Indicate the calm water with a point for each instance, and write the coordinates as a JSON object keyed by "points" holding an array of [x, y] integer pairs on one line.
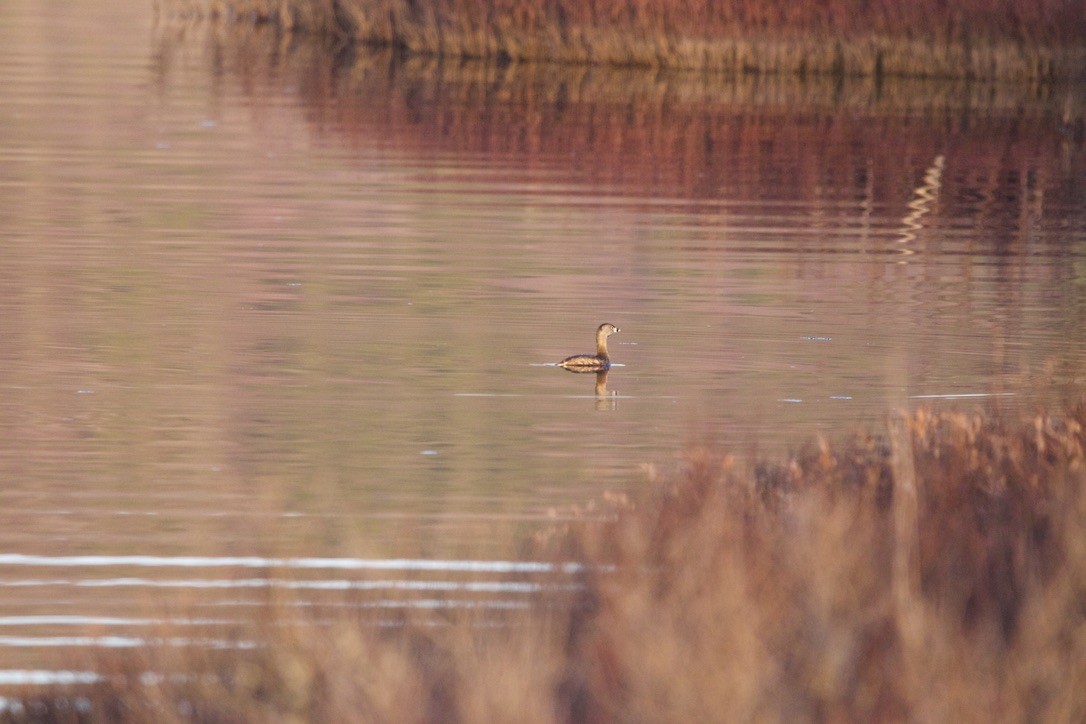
{"points": [[261, 300]]}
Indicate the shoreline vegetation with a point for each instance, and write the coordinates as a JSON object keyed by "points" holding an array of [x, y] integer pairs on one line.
{"points": [[1013, 40], [931, 571]]}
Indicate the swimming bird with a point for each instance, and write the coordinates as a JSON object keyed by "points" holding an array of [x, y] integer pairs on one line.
{"points": [[592, 362]]}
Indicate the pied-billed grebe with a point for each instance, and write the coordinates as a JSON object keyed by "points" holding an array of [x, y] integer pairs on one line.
{"points": [[592, 362]]}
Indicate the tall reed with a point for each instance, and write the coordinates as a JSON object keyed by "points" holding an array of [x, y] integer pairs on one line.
{"points": [[1013, 39]]}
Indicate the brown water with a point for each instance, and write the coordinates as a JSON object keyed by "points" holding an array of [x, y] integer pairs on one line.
{"points": [[261, 299]]}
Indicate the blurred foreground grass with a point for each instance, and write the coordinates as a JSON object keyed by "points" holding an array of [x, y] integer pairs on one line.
{"points": [[935, 571]]}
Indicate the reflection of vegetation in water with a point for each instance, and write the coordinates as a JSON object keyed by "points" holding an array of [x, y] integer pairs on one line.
{"points": [[975, 39], [686, 134], [926, 194], [883, 578], [662, 135]]}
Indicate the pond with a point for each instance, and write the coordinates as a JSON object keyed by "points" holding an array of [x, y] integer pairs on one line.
{"points": [[262, 298]]}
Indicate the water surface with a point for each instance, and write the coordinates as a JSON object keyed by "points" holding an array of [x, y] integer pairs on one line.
{"points": [[263, 299]]}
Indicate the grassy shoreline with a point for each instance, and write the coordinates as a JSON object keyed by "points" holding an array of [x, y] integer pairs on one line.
{"points": [[932, 571], [1018, 40]]}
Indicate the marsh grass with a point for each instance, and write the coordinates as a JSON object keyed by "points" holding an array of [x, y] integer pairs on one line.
{"points": [[936, 572], [1016, 39]]}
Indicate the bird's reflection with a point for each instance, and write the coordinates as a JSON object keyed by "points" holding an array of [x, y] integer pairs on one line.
{"points": [[605, 399], [601, 384]]}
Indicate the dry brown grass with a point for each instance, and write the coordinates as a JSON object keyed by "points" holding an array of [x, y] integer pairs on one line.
{"points": [[935, 573], [1024, 39], [776, 595]]}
